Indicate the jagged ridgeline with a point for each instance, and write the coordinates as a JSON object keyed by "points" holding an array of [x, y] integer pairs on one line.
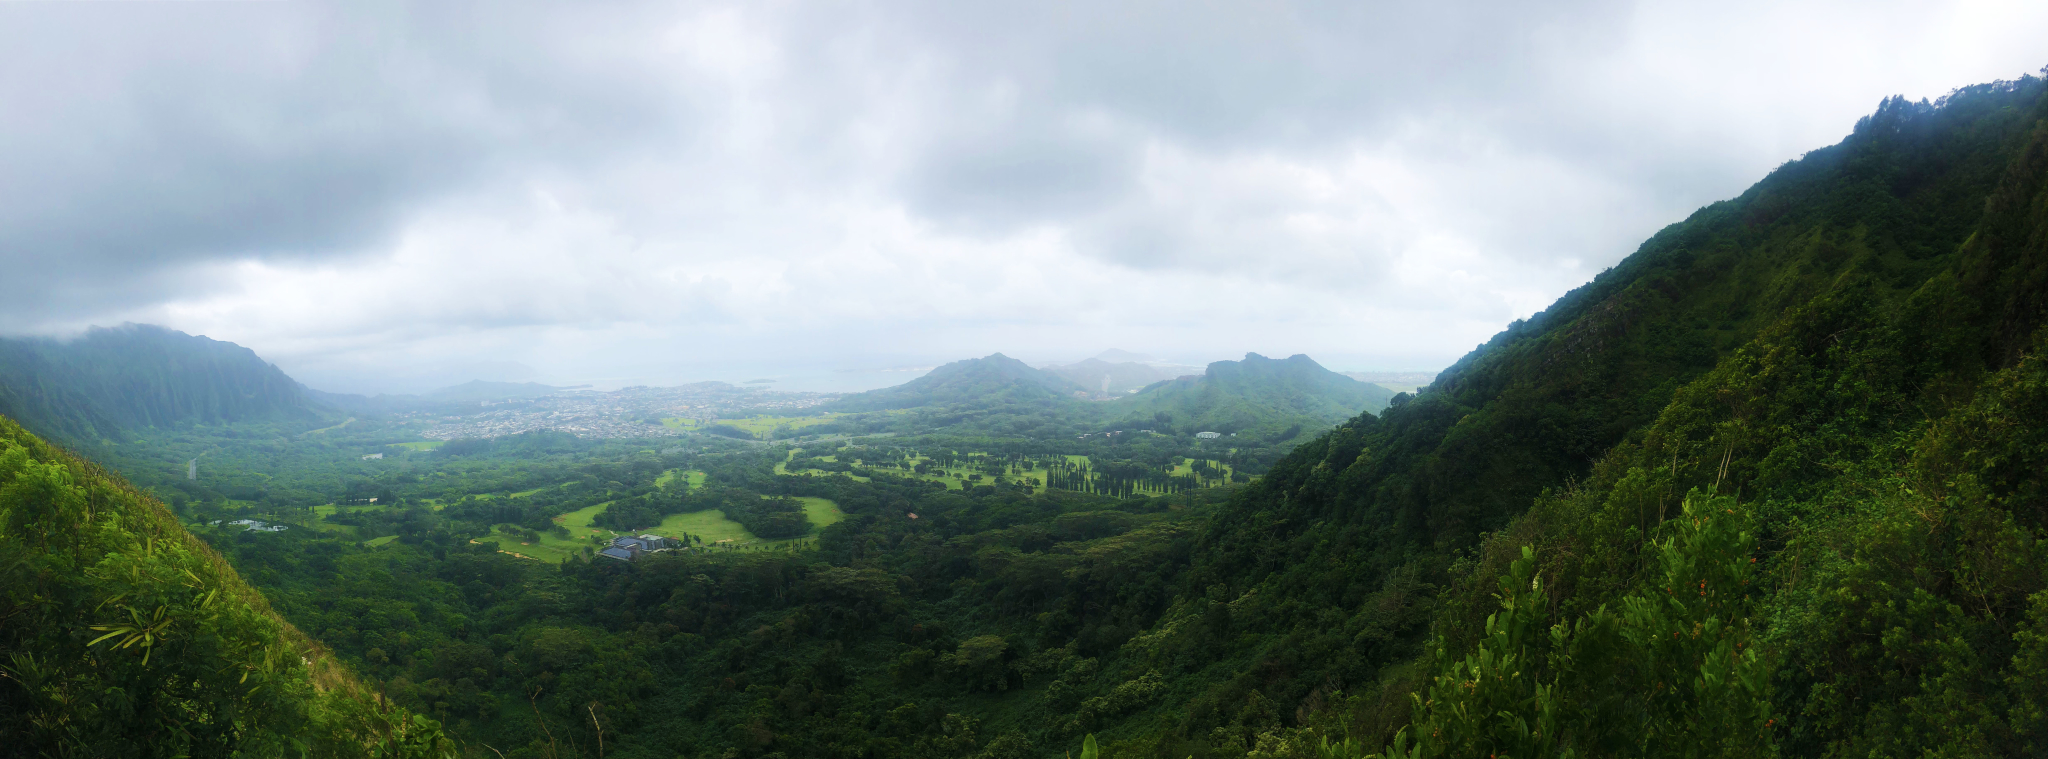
{"points": [[1786, 465], [136, 376], [123, 635]]}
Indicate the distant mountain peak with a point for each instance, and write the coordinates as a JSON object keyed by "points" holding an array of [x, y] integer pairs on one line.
{"points": [[1274, 399], [967, 380]]}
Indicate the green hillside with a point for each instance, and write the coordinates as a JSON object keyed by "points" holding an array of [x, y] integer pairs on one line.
{"points": [[993, 380], [1267, 399], [1772, 484], [136, 376], [125, 636]]}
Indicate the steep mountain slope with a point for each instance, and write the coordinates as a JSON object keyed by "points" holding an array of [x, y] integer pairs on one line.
{"points": [[123, 635], [991, 380], [1788, 450], [1258, 395], [137, 376], [43, 395]]}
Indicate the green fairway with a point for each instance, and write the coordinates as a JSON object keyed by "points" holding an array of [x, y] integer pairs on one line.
{"points": [[330, 509], [691, 477], [822, 512], [711, 525], [760, 426], [380, 541], [338, 529], [344, 423], [714, 528], [959, 475], [782, 467]]}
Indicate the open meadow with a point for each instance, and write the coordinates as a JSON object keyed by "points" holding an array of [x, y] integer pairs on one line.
{"points": [[761, 426]]}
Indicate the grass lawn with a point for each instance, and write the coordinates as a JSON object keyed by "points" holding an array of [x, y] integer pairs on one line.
{"points": [[711, 525], [344, 423], [331, 509], [782, 467], [951, 483], [960, 483], [691, 477], [380, 541], [552, 549], [423, 445], [760, 426], [1039, 475], [1189, 468], [822, 512]]}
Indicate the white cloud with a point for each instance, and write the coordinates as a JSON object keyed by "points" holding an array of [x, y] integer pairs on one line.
{"points": [[394, 197]]}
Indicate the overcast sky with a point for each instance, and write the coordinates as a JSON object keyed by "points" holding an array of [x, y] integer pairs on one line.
{"points": [[389, 197]]}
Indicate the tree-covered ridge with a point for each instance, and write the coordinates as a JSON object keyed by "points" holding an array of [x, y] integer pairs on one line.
{"points": [[1843, 366], [1258, 395], [1265, 404], [136, 376], [124, 636], [995, 379]]}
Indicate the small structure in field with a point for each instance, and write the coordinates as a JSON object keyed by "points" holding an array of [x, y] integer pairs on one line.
{"points": [[630, 547]]}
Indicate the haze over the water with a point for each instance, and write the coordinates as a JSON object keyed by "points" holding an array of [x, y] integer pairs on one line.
{"points": [[392, 197]]}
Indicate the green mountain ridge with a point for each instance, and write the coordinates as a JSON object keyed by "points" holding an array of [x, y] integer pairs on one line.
{"points": [[1257, 394], [992, 379], [1792, 438], [136, 376]]}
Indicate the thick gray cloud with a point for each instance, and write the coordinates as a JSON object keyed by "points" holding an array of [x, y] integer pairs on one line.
{"points": [[389, 195]]}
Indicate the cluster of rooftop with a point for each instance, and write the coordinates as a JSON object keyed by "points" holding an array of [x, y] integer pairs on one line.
{"points": [[628, 548]]}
